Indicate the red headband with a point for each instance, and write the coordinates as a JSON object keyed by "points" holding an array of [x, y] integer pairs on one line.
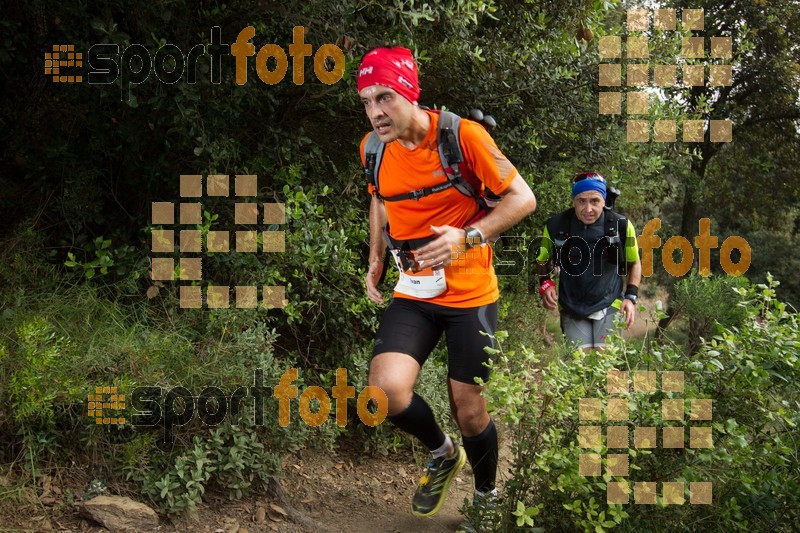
{"points": [[392, 67]]}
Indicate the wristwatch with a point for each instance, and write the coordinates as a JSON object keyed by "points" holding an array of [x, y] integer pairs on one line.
{"points": [[473, 237], [631, 297]]}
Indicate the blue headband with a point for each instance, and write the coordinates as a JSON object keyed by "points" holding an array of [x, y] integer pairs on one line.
{"points": [[589, 185]]}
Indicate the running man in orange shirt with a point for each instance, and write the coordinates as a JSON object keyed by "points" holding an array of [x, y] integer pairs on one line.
{"points": [[434, 296]]}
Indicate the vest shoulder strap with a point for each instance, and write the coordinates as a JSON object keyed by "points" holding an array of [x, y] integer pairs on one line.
{"points": [[616, 233], [373, 152], [558, 227], [451, 155], [458, 173], [616, 225]]}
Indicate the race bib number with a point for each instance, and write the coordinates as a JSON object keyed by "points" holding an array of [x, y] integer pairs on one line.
{"points": [[426, 283]]}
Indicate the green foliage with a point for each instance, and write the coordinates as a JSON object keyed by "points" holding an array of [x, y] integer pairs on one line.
{"points": [[32, 377], [776, 249], [79, 175], [56, 349], [751, 373], [100, 257], [231, 457], [762, 104], [708, 302]]}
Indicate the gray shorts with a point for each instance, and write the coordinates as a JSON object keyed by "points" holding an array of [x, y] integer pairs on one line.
{"points": [[586, 332]]}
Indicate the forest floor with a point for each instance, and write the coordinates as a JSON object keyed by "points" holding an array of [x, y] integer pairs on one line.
{"points": [[345, 490]]}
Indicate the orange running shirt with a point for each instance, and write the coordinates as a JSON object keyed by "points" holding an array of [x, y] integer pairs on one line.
{"points": [[471, 281]]}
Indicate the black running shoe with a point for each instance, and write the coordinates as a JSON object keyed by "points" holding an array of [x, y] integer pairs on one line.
{"points": [[483, 516], [432, 487]]}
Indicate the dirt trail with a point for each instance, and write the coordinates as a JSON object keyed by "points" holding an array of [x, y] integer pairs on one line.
{"points": [[348, 492], [332, 491]]}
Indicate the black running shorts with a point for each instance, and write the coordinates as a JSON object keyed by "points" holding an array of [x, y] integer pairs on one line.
{"points": [[413, 327]]}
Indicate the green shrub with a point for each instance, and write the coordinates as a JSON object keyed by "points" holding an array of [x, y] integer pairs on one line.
{"points": [[750, 372], [708, 302], [57, 348], [232, 457]]}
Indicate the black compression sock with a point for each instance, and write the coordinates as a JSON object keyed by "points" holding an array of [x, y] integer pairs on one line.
{"points": [[482, 453], [418, 420]]}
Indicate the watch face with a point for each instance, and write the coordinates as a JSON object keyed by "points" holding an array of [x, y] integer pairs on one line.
{"points": [[473, 237]]}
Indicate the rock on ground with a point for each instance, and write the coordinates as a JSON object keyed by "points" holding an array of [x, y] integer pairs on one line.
{"points": [[118, 513]]}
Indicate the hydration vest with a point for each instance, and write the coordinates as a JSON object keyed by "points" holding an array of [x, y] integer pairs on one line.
{"points": [[585, 254], [458, 174], [615, 232]]}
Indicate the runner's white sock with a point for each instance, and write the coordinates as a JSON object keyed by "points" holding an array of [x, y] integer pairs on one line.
{"points": [[483, 495], [443, 450]]}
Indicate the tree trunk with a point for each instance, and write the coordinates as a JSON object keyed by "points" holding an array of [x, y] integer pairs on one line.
{"points": [[688, 221]]}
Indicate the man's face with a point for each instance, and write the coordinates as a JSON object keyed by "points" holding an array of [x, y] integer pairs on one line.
{"points": [[588, 206], [389, 113]]}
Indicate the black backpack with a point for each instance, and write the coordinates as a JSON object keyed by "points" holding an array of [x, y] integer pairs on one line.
{"points": [[615, 231], [458, 173]]}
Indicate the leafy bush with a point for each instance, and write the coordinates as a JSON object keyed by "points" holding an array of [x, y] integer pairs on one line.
{"points": [[708, 302], [56, 349], [231, 457], [750, 372]]}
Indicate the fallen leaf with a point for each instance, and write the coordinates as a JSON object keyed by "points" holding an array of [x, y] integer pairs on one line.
{"points": [[152, 292], [278, 509], [260, 516]]}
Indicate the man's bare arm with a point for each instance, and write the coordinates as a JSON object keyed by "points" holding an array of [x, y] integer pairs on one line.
{"points": [[377, 246], [377, 221], [635, 273], [518, 202]]}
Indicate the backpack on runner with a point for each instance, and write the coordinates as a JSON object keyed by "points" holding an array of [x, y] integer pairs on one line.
{"points": [[457, 171], [615, 232]]}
